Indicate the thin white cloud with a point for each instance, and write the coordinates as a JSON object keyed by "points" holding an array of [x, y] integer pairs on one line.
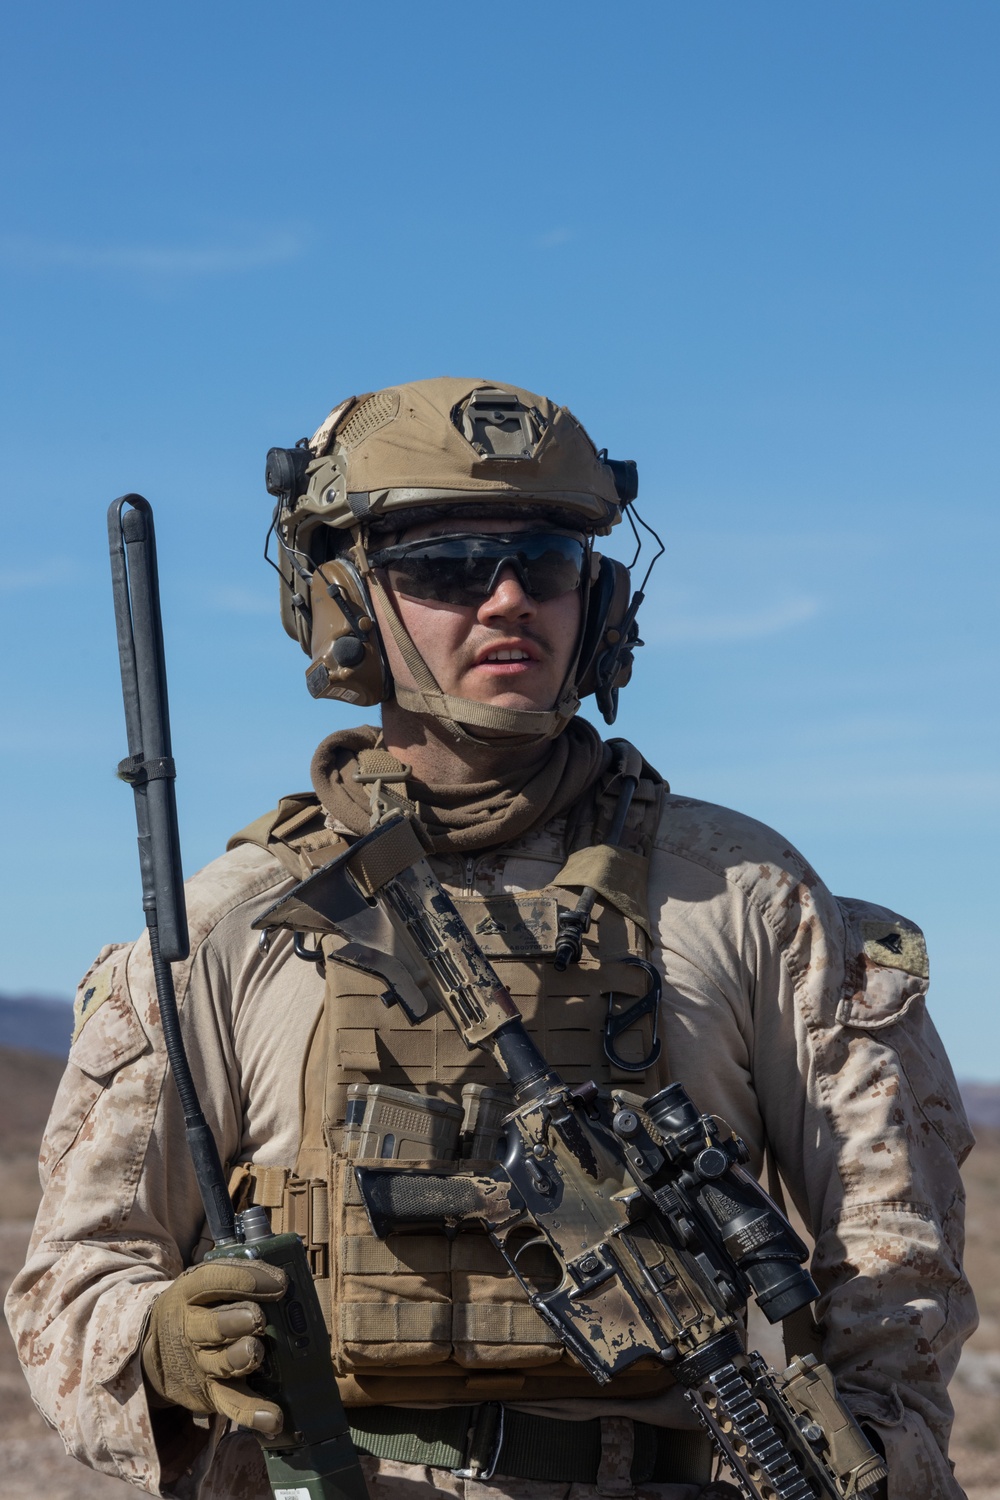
{"points": [[237, 601], [151, 260], [933, 792], [553, 237], [711, 628], [812, 782], [930, 787], [13, 580]]}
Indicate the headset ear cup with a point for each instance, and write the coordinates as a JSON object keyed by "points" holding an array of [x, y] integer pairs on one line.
{"points": [[348, 662], [606, 609], [293, 605]]}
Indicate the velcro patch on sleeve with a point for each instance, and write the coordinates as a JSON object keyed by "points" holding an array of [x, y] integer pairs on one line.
{"points": [[893, 945], [97, 985]]}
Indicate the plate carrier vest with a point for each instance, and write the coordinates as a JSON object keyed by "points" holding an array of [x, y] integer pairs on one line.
{"points": [[437, 1317]]}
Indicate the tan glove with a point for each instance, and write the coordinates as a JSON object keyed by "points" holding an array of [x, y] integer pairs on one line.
{"points": [[196, 1350]]}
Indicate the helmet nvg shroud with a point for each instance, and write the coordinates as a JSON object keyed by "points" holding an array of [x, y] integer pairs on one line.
{"points": [[435, 449]]}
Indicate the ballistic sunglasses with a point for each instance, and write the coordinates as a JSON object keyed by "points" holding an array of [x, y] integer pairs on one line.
{"points": [[465, 568]]}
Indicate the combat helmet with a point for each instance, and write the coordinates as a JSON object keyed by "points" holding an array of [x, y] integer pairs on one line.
{"points": [[391, 459]]}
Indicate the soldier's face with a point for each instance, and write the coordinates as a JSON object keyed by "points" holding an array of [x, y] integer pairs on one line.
{"points": [[511, 649]]}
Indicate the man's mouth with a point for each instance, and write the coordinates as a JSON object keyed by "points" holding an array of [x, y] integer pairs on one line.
{"points": [[508, 658], [510, 655]]}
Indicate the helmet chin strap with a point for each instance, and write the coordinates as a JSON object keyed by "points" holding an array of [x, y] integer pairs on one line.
{"points": [[518, 726]]}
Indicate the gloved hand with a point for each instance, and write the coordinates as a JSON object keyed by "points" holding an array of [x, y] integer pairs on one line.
{"points": [[196, 1350]]}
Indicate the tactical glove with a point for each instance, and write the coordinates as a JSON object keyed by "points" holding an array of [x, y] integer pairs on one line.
{"points": [[196, 1350]]}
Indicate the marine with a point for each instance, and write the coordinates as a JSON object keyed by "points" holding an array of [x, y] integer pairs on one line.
{"points": [[437, 554]]}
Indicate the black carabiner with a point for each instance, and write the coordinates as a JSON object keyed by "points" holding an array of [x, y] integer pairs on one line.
{"points": [[647, 1004], [308, 955]]}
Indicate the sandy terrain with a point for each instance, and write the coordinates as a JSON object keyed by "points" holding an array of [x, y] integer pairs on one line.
{"points": [[34, 1466]]}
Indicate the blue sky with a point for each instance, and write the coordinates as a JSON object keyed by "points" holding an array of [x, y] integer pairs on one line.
{"points": [[752, 245]]}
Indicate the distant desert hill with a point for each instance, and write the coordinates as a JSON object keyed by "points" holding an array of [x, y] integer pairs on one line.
{"points": [[36, 1023], [28, 1081], [982, 1102]]}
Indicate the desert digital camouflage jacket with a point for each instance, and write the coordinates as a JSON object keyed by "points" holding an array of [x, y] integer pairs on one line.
{"points": [[797, 1017]]}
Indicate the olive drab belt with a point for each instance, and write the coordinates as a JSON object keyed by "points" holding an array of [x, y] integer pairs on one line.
{"points": [[428, 1316]]}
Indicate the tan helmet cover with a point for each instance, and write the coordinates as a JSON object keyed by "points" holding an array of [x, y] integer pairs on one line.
{"points": [[436, 442]]}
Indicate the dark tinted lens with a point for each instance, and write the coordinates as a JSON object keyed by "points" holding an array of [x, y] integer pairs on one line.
{"points": [[466, 569], [556, 569], [447, 580]]}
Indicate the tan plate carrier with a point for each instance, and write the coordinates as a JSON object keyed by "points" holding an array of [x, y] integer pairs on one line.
{"points": [[427, 1317]]}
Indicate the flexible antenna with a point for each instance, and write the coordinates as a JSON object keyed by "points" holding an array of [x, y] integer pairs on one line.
{"points": [[150, 772]]}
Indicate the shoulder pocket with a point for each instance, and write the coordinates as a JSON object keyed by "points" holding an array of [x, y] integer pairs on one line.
{"points": [[885, 984], [110, 1040], [886, 968]]}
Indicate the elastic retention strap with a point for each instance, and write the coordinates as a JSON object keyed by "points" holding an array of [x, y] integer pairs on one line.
{"points": [[524, 726]]}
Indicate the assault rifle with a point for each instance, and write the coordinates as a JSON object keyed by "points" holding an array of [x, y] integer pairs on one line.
{"points": [[313, 1457], [657, 1232]]}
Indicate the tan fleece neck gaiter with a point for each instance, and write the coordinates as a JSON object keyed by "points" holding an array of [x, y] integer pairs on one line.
{"points": [[459, 818]]}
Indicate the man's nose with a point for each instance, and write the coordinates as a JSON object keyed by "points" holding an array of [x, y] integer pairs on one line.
{"points": [[508, 601]]}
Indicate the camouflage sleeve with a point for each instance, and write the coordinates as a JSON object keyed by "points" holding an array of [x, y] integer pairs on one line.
{"points": [[802, 1020], [896, 1306], [121, 1214], [105, 1242]]}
